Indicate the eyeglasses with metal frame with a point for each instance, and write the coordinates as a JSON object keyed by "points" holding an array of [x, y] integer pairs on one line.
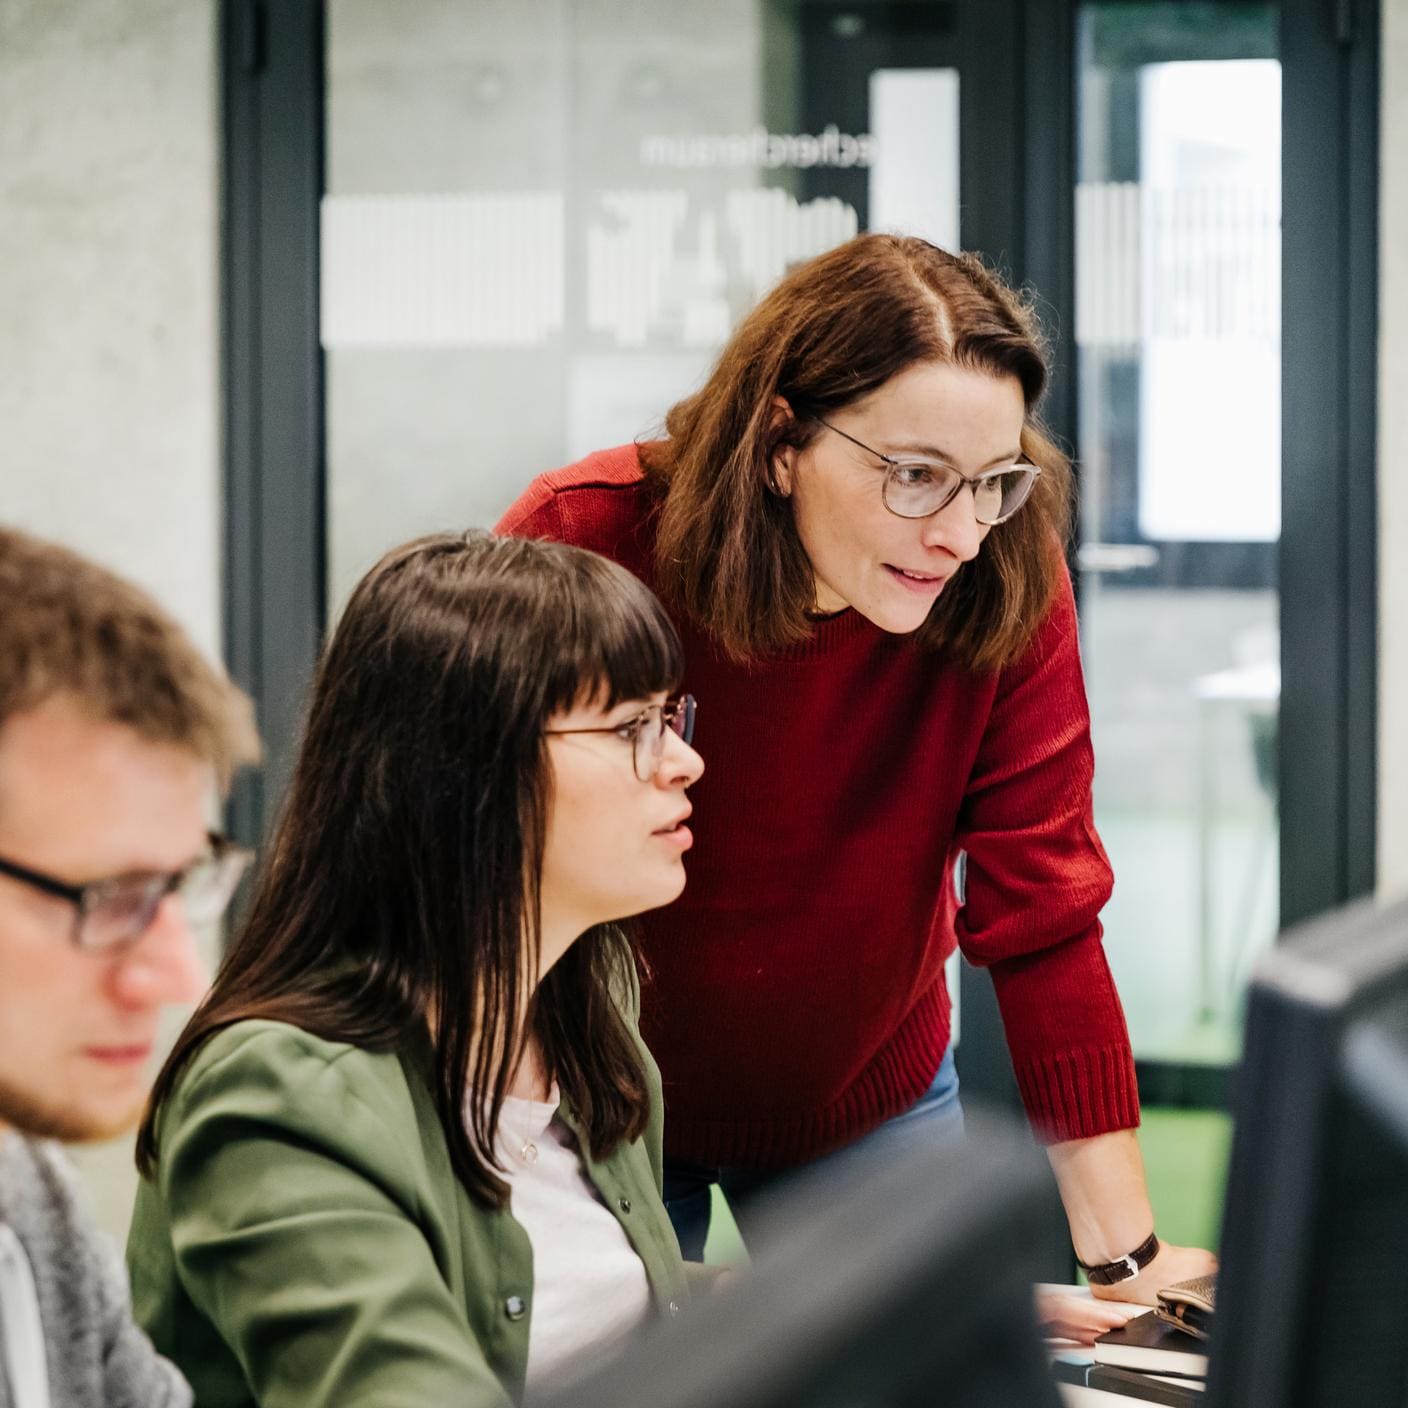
{"points": [[918, 488], [645, 731], [113, 913]]}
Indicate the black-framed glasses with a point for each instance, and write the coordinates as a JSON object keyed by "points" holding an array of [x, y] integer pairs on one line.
{"points": [[646, 731], [919, 488], [115, 912]]}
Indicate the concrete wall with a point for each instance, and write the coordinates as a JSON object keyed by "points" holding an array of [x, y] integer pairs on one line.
{"points": [[1393, 458], [109, 378]]}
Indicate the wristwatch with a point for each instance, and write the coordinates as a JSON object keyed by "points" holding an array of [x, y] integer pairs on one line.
{"points": [[1111, 1273]]}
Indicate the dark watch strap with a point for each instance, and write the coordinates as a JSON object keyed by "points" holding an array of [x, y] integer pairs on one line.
{"points": [[1111, 1273]]}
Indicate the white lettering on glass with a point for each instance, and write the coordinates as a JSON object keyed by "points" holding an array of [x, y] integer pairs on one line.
{"points": [[760, 148]]}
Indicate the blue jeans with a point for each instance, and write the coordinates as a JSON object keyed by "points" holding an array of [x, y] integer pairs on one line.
{"points": [[935, 1118]]}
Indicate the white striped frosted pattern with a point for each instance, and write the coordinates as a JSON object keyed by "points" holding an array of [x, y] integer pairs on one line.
{"points": [[651, 270], [1181, 262], [488, 270], [480, 270], [629, 261], [772, 231]]}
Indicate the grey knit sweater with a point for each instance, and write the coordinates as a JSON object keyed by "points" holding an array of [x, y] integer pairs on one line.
{"points": [[97, 1357]]}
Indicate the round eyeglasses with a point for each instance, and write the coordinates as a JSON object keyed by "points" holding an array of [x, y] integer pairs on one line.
{"points": [[646, 732], [113, 913], [916, 488]]}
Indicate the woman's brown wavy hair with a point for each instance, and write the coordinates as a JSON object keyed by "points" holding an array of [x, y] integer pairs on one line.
{"points": [[399, 892], [834, 330]]}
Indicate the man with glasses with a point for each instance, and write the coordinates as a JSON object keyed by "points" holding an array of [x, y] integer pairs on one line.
{"points": [[115, 739]]}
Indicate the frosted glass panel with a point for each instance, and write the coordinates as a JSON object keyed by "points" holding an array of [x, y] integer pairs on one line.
{"points": [[914, 178]]}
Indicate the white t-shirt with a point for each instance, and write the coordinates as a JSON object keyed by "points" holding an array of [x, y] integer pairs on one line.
{"points": [[589, 1285]]}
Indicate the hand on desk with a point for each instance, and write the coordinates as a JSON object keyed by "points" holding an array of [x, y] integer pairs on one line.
{"points": [[1078, 1317], [1171, 1265]]}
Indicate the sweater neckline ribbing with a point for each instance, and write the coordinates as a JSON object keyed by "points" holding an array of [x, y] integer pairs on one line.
{"points": [[829, 634]]}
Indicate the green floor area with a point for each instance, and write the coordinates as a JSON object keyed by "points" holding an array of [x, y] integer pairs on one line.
{"points": [[1185, 1158], [725, 1246]]}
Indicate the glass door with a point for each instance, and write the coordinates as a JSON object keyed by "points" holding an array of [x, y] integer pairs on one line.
{"points": [[1178, 339]]}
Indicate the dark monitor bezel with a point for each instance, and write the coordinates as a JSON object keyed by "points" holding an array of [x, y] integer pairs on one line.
{"points": [[1310, 1042]]}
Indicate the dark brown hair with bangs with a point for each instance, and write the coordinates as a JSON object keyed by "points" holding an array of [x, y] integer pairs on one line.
{"points": [[400, 893], [834, 330]]}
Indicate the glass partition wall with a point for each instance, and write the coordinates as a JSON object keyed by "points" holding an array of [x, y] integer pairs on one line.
{"points": [[1178, 340], [543, 217]]}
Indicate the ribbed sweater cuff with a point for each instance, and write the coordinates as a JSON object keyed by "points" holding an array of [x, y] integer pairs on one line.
{"points": [[1079, 1094]]}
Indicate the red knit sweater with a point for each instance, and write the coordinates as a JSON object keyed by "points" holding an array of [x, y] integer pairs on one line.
{"points": [[798, 995]]}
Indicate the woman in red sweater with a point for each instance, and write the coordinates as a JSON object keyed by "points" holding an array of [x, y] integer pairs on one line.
{"points": [[857, 524]]}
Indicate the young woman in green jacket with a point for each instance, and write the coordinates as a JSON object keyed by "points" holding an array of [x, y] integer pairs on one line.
{"points": [[408, 1149]]}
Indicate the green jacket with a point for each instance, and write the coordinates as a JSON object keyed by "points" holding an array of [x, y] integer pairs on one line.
{"points": [[306, 1243]]}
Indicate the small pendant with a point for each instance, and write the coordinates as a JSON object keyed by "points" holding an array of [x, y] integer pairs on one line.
{"points": [[529, 1152]]}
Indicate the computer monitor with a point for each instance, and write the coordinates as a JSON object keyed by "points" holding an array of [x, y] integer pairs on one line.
{"points": [[1312, 1298], [904, 1286]]}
